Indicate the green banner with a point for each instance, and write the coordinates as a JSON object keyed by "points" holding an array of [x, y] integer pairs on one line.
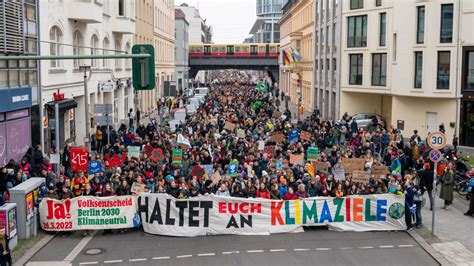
{"points": [[177, 156]]}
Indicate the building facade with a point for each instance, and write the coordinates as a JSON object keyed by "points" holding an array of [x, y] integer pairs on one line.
{"points": [[164, 41], [297, 26], [266, 27], [181, 50], [399, 59], [198, 32], [144, 25], [79, 27], [20, 98], [326, 57]]}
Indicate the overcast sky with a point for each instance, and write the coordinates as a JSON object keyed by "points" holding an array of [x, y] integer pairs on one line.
{"points": [[231, 20]]}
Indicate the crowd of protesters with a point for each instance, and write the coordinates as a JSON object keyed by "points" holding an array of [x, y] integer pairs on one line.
{"points": [[235, 99]]}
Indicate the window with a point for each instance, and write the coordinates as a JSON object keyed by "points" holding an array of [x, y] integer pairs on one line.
{"points": [[446, 23], [383, 29], [121, 8], [94, 50], [378, 2], [118, 61], [298, 46], [78, 45], [379, 69], [469, 79], [444, 63], [55, 37], [357, 4], [127, 61], [357, 31], [355, 71], [105, 51], [420, 24], [418, 70]]}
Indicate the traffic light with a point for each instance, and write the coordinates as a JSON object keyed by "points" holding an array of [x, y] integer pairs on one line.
{"points": [[143, 69]]}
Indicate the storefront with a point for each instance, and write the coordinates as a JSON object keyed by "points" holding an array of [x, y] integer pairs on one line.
{"points": [[467, 101], [15, 123]]}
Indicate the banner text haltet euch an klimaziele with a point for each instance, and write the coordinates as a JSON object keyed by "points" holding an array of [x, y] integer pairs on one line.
{"points": [[165, 215], [211, 215]]}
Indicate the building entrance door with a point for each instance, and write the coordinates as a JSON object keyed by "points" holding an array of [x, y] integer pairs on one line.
{"points": [[468, 123]]}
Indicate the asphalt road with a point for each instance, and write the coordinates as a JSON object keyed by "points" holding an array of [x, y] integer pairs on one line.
{"points": [[313, 247]]}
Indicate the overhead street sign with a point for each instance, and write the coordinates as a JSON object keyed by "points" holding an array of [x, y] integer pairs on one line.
{"points": [[435, 156], [437, 140], [103, 108]]}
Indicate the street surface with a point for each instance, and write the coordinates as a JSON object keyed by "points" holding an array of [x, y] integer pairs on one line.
{"points": [[313, 247]]}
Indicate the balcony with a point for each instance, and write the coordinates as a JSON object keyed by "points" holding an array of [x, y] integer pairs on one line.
{"points": [[85, 11], [123, 25]]}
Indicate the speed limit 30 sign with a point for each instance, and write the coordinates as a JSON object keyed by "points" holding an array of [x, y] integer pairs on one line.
{"points": [[437, 140]]}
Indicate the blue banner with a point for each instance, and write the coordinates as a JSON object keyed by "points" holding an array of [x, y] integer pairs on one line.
{"points": [[94, 167]]}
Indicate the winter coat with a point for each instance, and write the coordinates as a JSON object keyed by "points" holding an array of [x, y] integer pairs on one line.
{"points": [[447, 186]]}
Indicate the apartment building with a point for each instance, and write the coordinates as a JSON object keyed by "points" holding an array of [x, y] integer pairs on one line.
{"points": [[85, 27], [266, 27], [144, 26], [181, 49], [296, 26], [164, 41], [20, 97], [401, 59]]}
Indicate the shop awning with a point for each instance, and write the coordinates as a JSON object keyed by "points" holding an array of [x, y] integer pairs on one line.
{"points": [[64, 105]]}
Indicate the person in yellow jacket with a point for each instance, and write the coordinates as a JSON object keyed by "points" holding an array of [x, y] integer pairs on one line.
{"points": [[78, 183]]}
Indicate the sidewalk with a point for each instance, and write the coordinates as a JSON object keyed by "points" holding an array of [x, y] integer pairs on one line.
{"points": [[454, 232]]}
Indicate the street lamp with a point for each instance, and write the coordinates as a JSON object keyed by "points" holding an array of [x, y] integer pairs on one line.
{"points": [[87, 140]]}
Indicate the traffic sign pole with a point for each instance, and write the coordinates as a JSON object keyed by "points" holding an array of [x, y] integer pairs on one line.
{"points": [[433, 193]]}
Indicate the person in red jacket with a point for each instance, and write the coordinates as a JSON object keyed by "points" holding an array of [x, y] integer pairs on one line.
{"points": [[290, 195], [263, 192]]}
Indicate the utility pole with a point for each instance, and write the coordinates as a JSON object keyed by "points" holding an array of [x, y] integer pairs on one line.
{"points": [[87, 140], [56, 117]]}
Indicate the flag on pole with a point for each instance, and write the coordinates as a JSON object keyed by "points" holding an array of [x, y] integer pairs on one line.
{"points": [[285, 58], [296, 56]]}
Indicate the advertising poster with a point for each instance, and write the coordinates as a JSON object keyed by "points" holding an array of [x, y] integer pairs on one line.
{"points": [[12, 222], [30, 205]]}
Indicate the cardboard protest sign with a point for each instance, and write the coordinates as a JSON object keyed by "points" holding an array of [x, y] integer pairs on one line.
{"points": [[276, 114], [321, 167], [79, 159], [233, 166], [198, 171], [305, 135], [240, 133], [137, 188], [216, 177], [297, 159], [312, 154], [361, 177], [229, 126], [279, 137], [94, 167], [378, 170], [250, 172], [338, 172], [133, 152], [54, 158], [157, 154], [353, 164], [177, 156]]}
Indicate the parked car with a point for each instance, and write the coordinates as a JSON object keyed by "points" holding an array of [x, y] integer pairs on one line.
{"points": [[364, 120]]}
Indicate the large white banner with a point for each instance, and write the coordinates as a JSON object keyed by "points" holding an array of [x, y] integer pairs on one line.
{"points": [[89, 213], [211, 215]]}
